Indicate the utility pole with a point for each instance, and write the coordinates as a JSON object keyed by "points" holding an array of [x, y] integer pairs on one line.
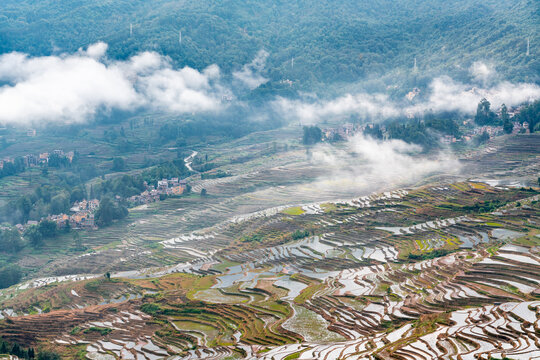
{"points": [[130, 30]]}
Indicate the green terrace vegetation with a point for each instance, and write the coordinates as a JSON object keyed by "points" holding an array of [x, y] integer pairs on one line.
{"points": [[429, 255], [191, 242], [100, 330], [192, 311], [297, 210]]}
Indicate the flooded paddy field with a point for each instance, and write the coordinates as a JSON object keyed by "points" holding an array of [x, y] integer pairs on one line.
{"points": [[279, 262], [337, 279]]}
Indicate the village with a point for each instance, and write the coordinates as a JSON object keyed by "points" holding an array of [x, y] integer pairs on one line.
{"points": [[164, 189], [42, 159], [82, 215], [470, 130]]}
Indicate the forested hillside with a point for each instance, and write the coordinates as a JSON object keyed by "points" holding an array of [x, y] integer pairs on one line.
{"points": [[330, 41]]}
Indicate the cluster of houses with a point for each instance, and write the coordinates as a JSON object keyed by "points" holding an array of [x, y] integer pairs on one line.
{"points": [[520, 128], [347, 130], [31, 160], [344, 131], [165, 187], [82, 218], [83, 212], [490, 130], [44, 157]]}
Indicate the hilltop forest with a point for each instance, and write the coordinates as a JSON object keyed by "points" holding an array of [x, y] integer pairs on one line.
{"points": [[330, 42]]}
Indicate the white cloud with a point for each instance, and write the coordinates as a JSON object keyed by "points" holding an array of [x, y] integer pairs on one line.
{"points": [[444, 94], [68, 89], [449, 95], [364, 161], [250, 75], [96, 50], [482, 72], [363, 105], [185, 90], [74, 87]]}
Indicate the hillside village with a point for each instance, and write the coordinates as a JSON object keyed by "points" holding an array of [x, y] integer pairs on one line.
{"points": [[83, 212], [165, 187], [42, 159], [470, 130]]}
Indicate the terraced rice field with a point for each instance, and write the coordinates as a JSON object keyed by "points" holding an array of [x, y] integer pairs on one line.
{"points": [[416, 273]]}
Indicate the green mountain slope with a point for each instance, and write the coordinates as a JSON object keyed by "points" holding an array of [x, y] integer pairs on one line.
{"points": [[330, 41]]}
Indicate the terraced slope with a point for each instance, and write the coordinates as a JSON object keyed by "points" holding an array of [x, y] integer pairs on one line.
{"points": [[443, 271]]}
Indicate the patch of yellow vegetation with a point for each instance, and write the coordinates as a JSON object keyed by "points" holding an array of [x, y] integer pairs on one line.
{"points": [[296, 210], [479, 186], [461, 186], [329, 207], [185, 283]]}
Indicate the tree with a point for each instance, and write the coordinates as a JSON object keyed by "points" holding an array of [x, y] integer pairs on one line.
{"points": [[77, 194], [312, 135], [3, 348], [482, 138], [374, 131], [60, 203], [484, 116], [48, 355], [508, 127], [105, 212], [504, 113], [34, 236], [77, 242], [47, 228], [10, 240], [24, 205], [203, 192], [531, 115], [109, 211], [507, 124], [16, 350], [119, 164], [10, 275]]}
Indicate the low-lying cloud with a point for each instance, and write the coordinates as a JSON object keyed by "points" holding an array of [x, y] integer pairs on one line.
{"points": [[449, 95], [444, 95], [362, 105], [483, 72], [250, 75], [364, 162], [75, 87]]}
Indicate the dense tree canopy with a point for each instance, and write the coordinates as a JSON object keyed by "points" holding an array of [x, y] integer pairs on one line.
{"points": [[312, 135], [330, 41], [484, 115], [9, 275], [109, 211]]}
